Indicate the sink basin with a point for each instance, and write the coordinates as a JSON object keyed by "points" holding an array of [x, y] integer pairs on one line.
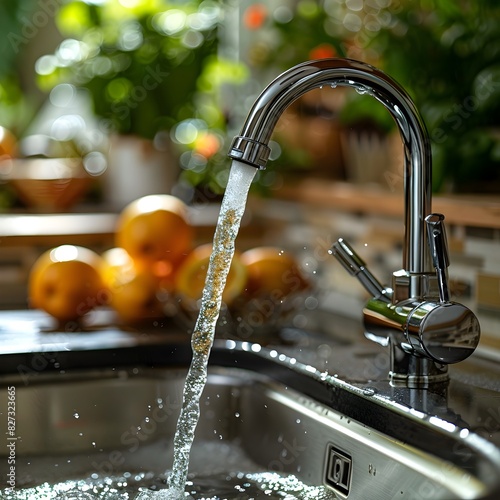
{"points": [[267, 418]]}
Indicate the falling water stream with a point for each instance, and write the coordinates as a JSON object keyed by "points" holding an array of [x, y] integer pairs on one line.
{"points": [[231, 212]]}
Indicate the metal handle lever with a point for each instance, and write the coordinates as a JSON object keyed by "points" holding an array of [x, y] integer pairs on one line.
{"points": [[424, 335], [355, 266], [438, 246]]}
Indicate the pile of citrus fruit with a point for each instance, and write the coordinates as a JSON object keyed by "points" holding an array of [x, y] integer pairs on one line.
{"points": [[155, 269]]}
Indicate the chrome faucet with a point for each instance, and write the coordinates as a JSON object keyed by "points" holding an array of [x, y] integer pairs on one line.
{"points": [[424, 329]]}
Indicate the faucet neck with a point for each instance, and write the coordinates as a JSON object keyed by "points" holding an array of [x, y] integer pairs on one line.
{"points": [[251, 146]]}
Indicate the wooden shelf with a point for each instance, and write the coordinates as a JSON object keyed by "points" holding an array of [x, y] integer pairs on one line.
{"points": [[50, 229], [89, 228], [464, 210]]}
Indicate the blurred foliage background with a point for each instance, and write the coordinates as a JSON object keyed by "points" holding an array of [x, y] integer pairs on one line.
{"points": [[192, 55], [445, 53], [140, 61]]}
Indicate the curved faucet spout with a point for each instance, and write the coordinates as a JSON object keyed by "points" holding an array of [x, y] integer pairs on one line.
{"points": [[251, 146]]}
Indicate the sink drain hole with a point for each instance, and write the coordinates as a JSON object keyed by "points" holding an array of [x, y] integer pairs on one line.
{"points": [[338, 470]]}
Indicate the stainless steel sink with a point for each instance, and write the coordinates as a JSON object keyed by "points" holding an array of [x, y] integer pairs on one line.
{"points": [[102, 406], [261, 411]]}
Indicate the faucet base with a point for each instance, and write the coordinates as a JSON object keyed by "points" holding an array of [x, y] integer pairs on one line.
{"points": [[414, 371]]}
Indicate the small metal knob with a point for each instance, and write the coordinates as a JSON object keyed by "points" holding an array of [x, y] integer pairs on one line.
{"points": [[355, 266], [438, 245]]}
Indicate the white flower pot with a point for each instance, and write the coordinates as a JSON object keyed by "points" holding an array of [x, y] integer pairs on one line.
{"points": [[136, 168]]}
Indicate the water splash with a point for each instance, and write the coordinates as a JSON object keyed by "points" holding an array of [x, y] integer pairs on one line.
{"points": [[231, 212], [218, 486]]}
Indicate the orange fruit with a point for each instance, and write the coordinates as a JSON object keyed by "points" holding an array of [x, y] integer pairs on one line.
{"points": [[155, 232], [191, 274], [8, 144], [272, 271], [66, 283], [117, 266], [133, 294]]}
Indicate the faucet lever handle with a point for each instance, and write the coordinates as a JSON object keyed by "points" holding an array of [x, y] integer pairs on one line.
{"points": [[438, 246], [355, 266]]}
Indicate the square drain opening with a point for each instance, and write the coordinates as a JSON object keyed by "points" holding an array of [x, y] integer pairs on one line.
{"points": [[338, 470]]}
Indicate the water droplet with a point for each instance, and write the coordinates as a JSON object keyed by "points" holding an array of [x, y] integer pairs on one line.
{"points": [[369, 391], [76, 415]]}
